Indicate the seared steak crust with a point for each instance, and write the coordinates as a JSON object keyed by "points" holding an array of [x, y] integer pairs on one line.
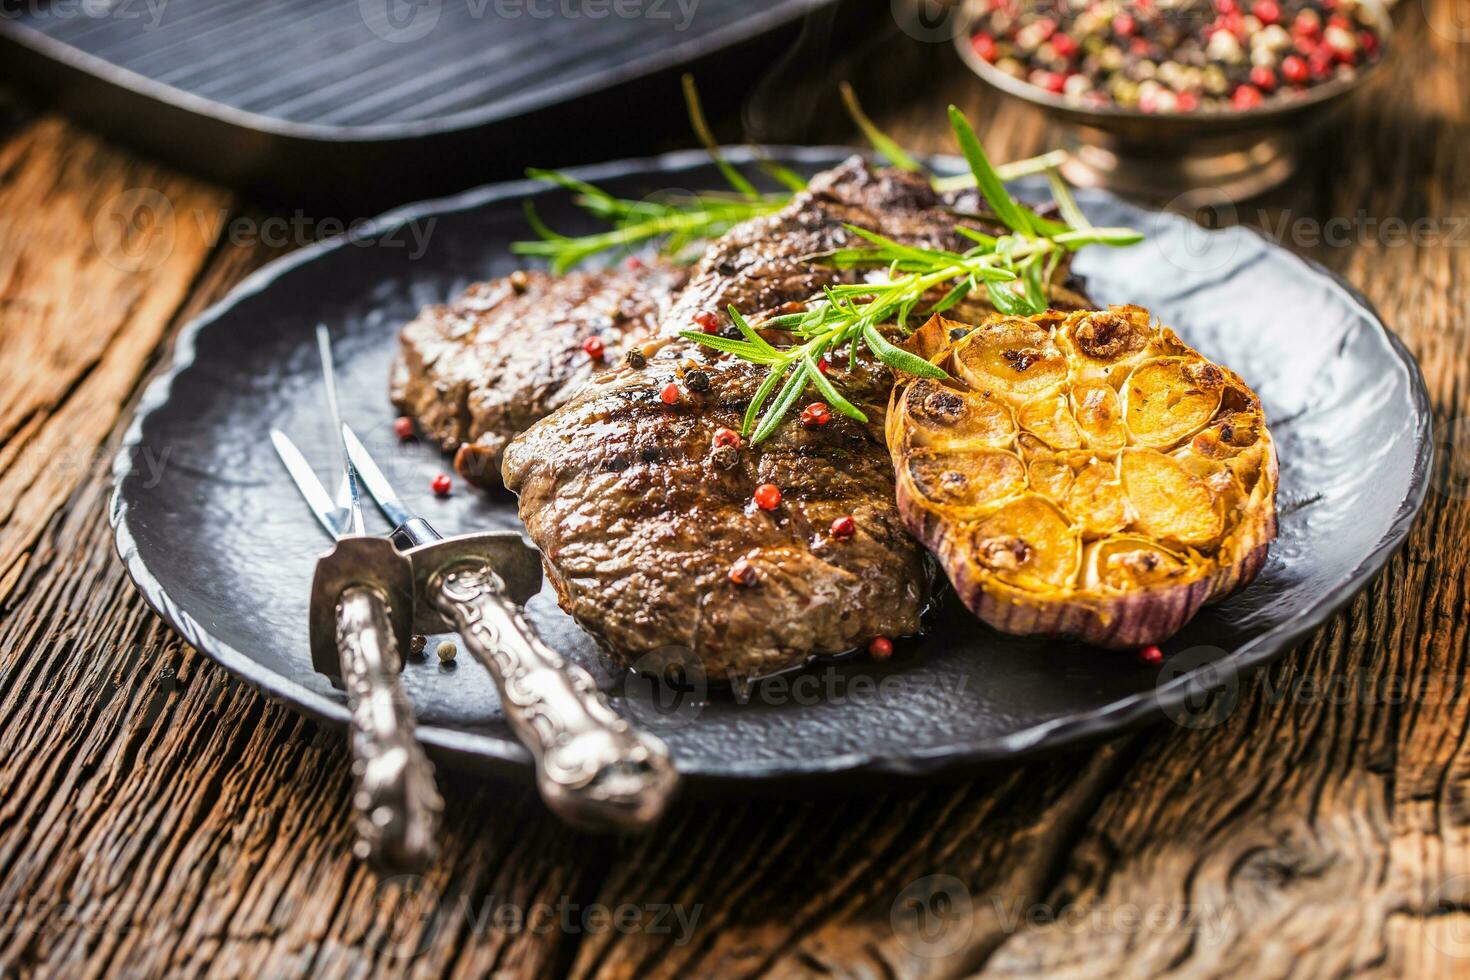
{"points": [[650, 536], [476, 372]]}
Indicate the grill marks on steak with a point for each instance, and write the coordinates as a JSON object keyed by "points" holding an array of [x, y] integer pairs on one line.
{"points": [[641, 521], [477, 372], [638, 522]]}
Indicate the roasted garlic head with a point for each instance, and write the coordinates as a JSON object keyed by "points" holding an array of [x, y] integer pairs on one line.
{"points": [[1084, 474]]}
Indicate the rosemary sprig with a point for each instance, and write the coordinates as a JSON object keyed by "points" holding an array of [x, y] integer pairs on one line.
{"points": [[886, 146], [676, 222], [681, 224], [852, 313]]}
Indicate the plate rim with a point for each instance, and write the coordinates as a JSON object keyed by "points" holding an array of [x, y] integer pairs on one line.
{"points": [[510, 759]]}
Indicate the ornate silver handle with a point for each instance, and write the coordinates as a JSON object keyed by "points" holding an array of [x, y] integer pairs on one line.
{"points": [[594, 769], [397, 803]]}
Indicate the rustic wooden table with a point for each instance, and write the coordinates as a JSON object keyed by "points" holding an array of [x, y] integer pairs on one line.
{"points": [[157, 815]]}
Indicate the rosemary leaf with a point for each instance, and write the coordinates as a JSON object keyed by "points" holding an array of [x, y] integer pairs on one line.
{"points": [[1007, 171], [1008, 301], [1098, 236], [886, 146], [905, 310], [829, 392], [750, 334], [924, 255], [538, 226], [1066, 203], [960, 291], [741, 348], [706, 136], [1035, 288], [991, 188], [790, 392], [984, 240], [785, 176], [898, 358], [761, 394]]}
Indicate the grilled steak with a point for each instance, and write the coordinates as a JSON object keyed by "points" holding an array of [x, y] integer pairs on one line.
{"points": [[477, 372], [649, 531]]}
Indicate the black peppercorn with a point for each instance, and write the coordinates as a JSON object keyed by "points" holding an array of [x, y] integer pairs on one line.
{"points": [[725, 457], [697, 382], [635, 359]]}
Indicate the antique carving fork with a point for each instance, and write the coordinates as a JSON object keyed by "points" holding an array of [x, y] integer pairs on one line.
{"points": [[594, 769], [362, 599]]}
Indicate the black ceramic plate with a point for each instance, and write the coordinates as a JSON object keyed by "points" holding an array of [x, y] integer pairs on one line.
{"points": [[214, 534]]}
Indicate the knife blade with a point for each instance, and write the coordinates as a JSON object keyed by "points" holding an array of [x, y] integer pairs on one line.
{"points": [[347, 495], [408, 531], [333, 518]]}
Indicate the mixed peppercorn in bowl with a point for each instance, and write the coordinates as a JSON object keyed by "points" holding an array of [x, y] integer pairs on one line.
{"points": [[1157, 56], [1165, 98]]}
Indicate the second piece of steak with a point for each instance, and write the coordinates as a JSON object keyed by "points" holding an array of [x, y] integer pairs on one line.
{"points": [[476, 372]]}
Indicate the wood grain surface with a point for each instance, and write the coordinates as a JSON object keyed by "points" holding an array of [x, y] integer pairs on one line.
{"points": [[158, 817]]}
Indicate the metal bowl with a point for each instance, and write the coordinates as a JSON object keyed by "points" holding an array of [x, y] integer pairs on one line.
{"points": [[1163, 156]]}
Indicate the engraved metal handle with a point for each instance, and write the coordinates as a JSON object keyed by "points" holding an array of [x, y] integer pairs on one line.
{"points": [[394, 795], [594, 769]]}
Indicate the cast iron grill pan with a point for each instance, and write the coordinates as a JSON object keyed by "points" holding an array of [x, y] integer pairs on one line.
{"points": [[376, 101]]}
